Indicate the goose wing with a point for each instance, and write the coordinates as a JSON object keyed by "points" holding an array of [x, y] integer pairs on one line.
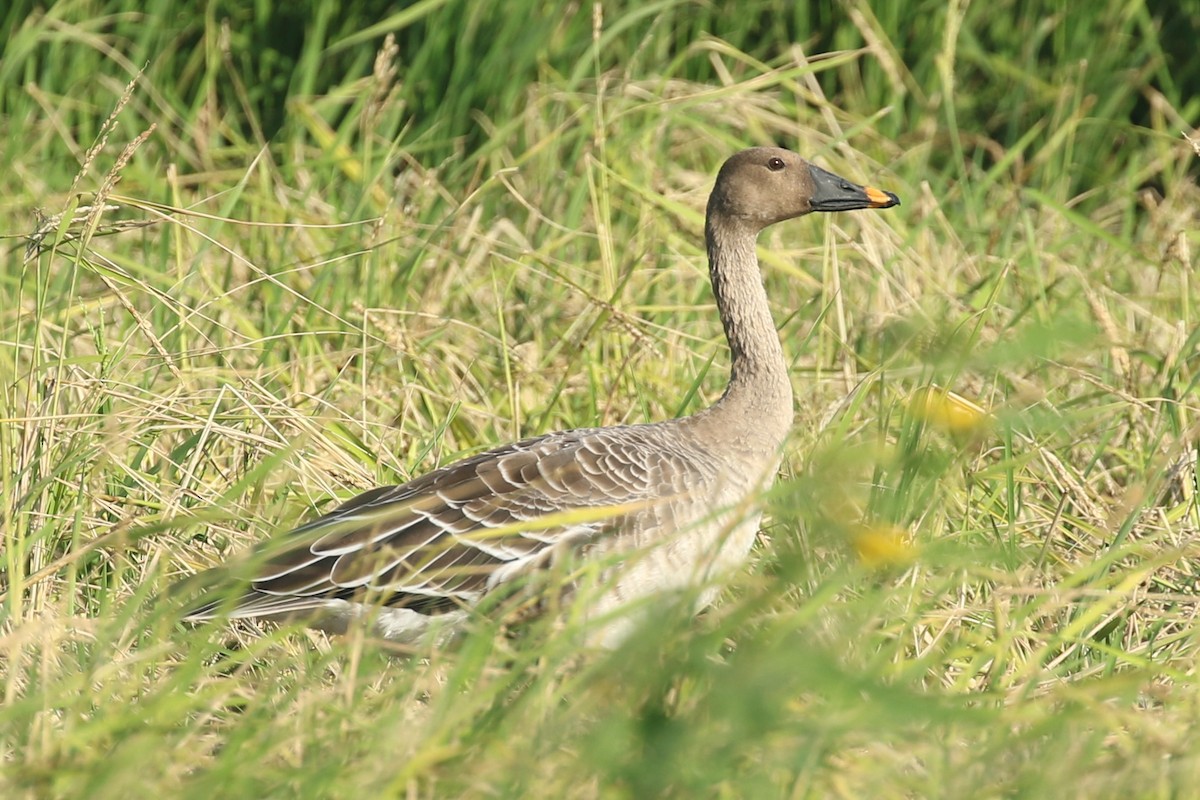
{"points": [[459, 531]]}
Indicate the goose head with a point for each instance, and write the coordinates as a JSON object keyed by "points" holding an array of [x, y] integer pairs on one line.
{"points": [[765, 185]]}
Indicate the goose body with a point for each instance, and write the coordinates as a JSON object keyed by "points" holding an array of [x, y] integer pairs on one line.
{"points": [[658, 507]]}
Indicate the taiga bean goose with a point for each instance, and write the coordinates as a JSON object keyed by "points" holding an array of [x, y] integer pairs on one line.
{"points": [[664, 506]]}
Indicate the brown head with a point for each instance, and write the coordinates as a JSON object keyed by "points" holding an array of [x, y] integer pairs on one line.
{"points": [[764, 185]]}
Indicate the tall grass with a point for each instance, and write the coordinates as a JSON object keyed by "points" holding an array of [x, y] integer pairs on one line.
{"points": [[333, 263]]}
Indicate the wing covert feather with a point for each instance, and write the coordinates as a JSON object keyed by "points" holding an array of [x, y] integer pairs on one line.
{"points": [[446, 534]]}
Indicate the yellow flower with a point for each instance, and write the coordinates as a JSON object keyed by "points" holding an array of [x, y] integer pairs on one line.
{"points": [[949, 411], [882, 545]]}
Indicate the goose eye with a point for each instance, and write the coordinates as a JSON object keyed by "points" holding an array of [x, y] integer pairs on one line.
{"points": [[775, 164]]}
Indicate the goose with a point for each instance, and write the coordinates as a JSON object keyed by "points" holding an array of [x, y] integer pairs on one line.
{"points": [[661, 507]]}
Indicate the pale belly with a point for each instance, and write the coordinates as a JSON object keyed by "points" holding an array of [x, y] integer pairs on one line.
{"points": [[670, 560]]}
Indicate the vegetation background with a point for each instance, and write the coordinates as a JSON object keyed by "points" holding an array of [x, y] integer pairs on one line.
{"points": [[259, 257]]}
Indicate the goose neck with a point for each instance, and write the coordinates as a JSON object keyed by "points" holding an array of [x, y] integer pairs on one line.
{"points": [[759, 384]]}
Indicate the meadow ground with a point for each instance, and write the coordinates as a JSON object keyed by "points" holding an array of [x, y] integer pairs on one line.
{"points": [[254, 265]]}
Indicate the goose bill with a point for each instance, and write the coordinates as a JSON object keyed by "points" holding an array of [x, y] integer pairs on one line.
{"points": [[835, 193]]}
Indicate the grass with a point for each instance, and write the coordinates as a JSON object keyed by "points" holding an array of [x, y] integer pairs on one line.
{"points": [[331, 264]]}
